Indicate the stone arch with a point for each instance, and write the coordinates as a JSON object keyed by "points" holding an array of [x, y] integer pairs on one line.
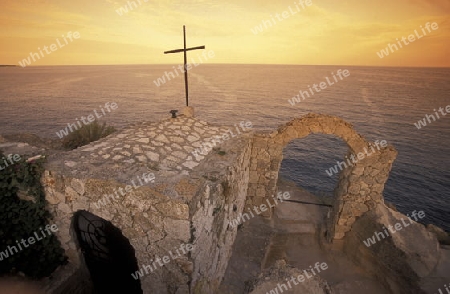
{"points": [[107, 253], [132, 214], [360, 186]]}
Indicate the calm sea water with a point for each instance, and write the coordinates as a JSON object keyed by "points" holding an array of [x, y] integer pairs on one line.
{"points": [[381, 103]]}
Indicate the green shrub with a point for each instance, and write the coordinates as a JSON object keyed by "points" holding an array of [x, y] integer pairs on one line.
{"points": [[20, 219], [87, 134]]}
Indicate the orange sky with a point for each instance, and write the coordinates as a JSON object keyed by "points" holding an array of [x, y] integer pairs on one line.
{"points": [[340, 32]]}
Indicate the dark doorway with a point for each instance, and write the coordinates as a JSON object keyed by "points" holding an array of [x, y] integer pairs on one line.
{"points": [[108, 254]]}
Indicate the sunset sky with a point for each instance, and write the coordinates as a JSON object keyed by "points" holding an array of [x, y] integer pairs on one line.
{"points": [[329, 32]]}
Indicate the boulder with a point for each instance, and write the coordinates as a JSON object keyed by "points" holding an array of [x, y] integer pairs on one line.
{"points": [[399, 259], [442, 236]]}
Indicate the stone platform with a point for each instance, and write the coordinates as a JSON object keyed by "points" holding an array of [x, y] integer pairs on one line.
{"points": [[186, 180], [190, 196], [165, 148]]}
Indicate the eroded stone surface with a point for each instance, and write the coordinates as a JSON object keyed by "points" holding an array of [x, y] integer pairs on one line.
{"points": [[400, 261], [166, 145], [199, 186], [188, 198]]}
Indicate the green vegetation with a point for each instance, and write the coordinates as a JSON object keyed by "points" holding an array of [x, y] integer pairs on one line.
{"points": [[20, 219], [153, 166], [217, 210], [219, 151], [87, 134], [210, 178]]}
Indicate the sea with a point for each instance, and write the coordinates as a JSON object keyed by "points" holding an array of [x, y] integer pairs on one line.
{"points": [[382, 103]]}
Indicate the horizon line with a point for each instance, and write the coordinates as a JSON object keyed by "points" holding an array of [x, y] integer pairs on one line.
{"points": [[258, 64]]}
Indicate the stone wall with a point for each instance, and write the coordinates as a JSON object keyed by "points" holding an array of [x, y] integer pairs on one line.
{"points": [[267, 154], [360, 186], [360, 189], [220, 200], [153, 222], [196, 196], [187, 204]]}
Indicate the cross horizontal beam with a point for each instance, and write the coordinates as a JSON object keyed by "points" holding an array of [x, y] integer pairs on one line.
{"points": [[183, 50]]}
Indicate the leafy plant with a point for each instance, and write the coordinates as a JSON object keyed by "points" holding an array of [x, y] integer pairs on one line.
{"points": [[20, 219], [217, 210], [153, 166], [219, 151], [210, 178], [87, 134]]}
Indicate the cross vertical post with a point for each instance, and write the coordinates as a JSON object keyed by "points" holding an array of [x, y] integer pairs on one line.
{"points": [[186, 85], [185, 50]]}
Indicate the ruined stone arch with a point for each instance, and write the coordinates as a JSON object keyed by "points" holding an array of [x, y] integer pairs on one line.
{"points": [[360, 187]]}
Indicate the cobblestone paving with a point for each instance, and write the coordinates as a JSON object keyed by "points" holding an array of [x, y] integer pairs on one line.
{"points": [[165, 146]]}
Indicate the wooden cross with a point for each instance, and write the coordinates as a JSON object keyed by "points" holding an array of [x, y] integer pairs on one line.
{"points": [[185, 62]]}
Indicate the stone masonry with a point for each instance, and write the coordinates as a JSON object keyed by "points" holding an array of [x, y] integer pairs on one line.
{"points": [[195, 193], [360, 186], [190, 201]]}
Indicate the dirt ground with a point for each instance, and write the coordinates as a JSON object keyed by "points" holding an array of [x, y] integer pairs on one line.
{"points": [[293, 234]]}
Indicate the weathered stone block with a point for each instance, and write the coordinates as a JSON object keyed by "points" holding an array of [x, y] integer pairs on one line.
{"points": [[174, 209], [399, 260], [78, 186], [177, 229]]}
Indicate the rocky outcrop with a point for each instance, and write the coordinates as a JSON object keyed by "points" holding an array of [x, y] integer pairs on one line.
{"points": [[442, 236], [198, 190], [399, 260]]}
